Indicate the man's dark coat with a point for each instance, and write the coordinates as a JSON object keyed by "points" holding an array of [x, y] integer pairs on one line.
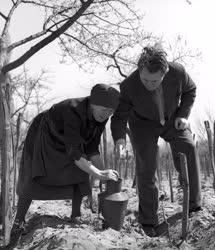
{"points": [[179, 92]]}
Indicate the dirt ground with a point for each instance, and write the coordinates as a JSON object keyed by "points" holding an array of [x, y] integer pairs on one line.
{"points": [[48, 225]]}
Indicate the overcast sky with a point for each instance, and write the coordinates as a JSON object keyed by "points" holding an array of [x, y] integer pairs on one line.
{"points": [[162, 17], [195, 23]]}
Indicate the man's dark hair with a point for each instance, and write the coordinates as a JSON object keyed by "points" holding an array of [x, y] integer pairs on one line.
{"points": [[153, 59]]}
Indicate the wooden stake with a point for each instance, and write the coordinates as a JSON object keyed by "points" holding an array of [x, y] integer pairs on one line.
{"points": [[210, 147], [169, 162], [105, 149], [185, 186]]}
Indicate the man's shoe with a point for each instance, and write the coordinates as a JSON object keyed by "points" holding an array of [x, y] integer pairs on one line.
{"points": [[76, 220], [149, 230]]}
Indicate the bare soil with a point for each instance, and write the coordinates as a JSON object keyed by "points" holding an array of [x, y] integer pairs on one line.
{"points": [[48, 225]]}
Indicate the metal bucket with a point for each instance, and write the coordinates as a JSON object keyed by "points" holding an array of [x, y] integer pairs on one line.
{"points": [[111, 187], [114, 186], [114, 208]]}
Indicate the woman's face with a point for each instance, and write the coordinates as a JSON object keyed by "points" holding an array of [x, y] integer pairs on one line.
{"points": [[101, 113]]}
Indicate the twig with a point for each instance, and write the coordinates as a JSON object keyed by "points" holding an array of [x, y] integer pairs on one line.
{"points": [[2, 15], [39, 4]]}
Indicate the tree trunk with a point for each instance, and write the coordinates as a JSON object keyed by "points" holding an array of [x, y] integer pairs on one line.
{"points": [[6, 158], [5, 140]]}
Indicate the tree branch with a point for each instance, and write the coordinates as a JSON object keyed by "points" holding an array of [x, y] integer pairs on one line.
{"points": [[47, 40], [61, 12], [39, 34], [23, 106], [26, 86], [57, 23], [9, 17], [118, 13], [2, 15], [189, 2], [112, 56], [88, 47], [27, 39], [116, 64], [39, 4], [111, 23]]}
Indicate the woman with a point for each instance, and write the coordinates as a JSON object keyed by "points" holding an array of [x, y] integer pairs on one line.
{"points": [[61, 151]]}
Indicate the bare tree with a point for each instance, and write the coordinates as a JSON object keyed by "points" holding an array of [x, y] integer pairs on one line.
{"points": [[180, 51], [25, 91], [199, 123], [29, 91]]}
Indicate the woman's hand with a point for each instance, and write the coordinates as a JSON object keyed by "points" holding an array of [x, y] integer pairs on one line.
{"points": [[86, 166], [108, 174]]}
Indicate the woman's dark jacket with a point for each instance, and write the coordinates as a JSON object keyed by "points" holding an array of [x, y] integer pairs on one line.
{"points": [[55, 139]]}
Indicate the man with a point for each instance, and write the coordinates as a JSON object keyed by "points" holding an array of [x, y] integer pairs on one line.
{"points": [[61, 150], [156, 100]]}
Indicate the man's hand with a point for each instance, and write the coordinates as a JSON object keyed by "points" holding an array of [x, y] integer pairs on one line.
{"points": [[181, 123], [120, 147]]}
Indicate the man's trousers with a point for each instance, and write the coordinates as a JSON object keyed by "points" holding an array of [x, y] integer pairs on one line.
{"points": [[145, 134]]}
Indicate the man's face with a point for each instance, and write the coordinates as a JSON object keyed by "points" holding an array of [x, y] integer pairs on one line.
{"points": [[101, 113], [151, 81]]}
